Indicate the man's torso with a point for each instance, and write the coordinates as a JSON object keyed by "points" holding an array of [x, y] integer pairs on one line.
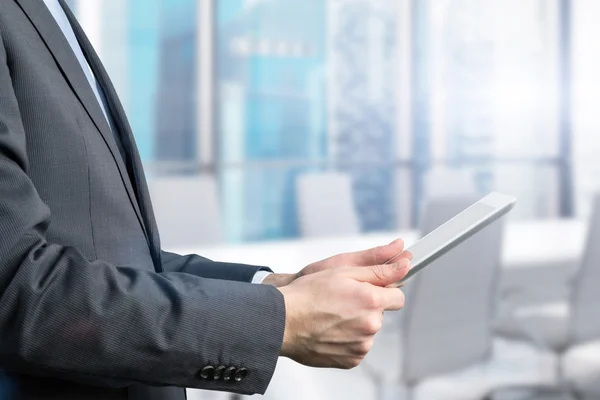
{"points": [[76, 174]]}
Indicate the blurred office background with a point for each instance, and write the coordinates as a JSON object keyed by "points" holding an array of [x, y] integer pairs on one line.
{"points": [[256, 92], [277, 120]]}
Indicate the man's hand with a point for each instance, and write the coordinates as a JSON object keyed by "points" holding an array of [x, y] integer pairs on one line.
{"points": [[374, 256], [279, 280], [332, 316]]}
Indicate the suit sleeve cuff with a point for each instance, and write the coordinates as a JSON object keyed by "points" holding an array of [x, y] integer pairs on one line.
{"points": [[245, 330], [204, 268]]}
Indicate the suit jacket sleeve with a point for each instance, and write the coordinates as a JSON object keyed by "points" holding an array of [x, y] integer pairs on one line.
{"points": [[64, 316], [205, 268]]}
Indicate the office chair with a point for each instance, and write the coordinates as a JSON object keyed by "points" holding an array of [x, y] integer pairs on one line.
{"points": [[571, 329], [187, 210], [326, 205], [446, 345]]}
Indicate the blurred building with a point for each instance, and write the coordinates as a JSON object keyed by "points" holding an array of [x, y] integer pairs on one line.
{"points": [[462, 62], [363, 54], [175, 107], [586, 97], [271, 99], [384, 90], [492, 89], [304, 86]]}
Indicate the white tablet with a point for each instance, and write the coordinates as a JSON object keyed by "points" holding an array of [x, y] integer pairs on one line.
{"points": [[457, 230]]}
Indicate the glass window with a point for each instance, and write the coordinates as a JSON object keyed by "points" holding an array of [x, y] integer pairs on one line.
{"points": [[586, 97], [490, 94], [393, 93], [271, 98]]}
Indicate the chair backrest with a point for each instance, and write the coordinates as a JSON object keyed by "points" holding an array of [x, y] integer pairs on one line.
{"points": [[447, 324], [326, 205], [445, 182], [187, 210], [585, 323]]}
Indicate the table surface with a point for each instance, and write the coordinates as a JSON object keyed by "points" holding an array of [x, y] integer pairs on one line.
{"points": [[527, 244]]}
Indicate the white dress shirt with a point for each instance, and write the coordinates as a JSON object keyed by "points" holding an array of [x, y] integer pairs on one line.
{"points": [[61, 19]]}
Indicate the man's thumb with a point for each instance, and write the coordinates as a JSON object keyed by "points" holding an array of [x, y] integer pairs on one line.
{"points": [[382, 275]]}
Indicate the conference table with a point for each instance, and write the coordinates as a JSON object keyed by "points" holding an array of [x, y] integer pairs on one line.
{"points": [[538, 255], [538, 259]]}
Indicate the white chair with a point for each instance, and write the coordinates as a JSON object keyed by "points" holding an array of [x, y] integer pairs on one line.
{"points": [[187, 210], [446, 348], [325, 204], [570, 328], [446, 182]]}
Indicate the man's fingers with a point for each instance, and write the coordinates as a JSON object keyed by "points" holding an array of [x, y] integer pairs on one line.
{"points": [[396, 285], [392, 298], [381, 275], [405, 254], [374, 256]]}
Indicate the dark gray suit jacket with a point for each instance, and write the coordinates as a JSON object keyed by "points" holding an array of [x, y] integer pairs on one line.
{"points": [[90, 307]]}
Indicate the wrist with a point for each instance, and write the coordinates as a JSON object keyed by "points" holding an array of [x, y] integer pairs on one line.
{"points": [[279, 280], [289, 317]]}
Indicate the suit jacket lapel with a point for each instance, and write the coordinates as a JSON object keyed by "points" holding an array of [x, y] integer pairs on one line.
{"points": [[126, 135], [54, 39]]}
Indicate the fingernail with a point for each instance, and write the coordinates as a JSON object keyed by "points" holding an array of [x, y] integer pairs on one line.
{"points": [[394, 241]]}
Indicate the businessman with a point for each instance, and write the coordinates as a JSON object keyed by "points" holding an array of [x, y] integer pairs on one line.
{"points": [[90, 307]]}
